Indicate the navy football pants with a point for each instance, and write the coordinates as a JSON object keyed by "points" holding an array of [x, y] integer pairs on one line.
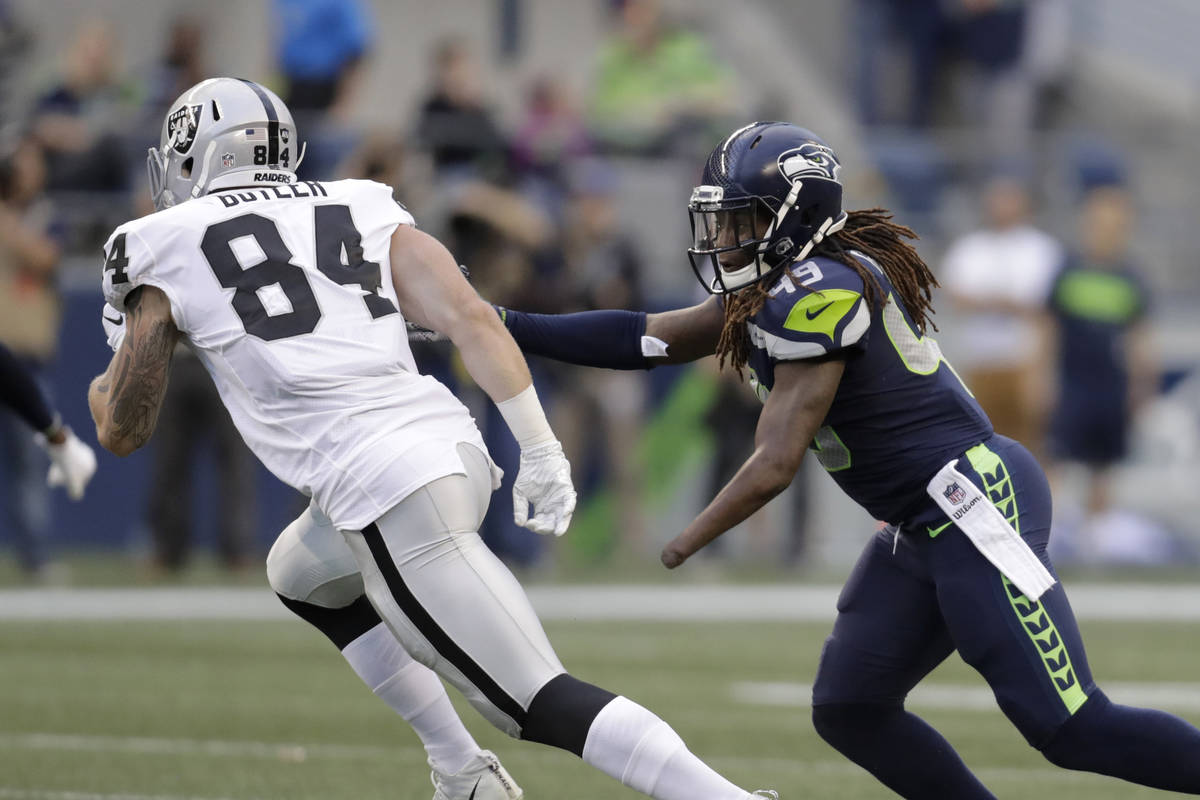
{"points": [[900, 614], [912, 600]]}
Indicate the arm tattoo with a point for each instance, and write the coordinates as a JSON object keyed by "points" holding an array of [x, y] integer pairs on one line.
{"points": [[139, 380]]}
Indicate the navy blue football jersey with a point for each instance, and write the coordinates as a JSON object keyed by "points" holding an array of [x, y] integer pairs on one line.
{"points": [[900, 413]]}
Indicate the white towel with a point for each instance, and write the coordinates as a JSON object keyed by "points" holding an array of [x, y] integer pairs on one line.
{"points": [[969, 508]]}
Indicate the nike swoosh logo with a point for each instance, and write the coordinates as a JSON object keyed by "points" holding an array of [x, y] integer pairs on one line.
{"points": [[933, 532], [817, 312], [471, 796]]}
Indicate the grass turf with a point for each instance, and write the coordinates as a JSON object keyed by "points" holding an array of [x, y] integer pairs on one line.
{"points": [[263, 710]]}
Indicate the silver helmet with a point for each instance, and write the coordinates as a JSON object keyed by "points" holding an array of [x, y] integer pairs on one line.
{"points": [[222, 132]]}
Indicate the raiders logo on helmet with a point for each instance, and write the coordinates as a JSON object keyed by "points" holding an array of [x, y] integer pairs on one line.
{"points": [[181, 127], [811, 159]]}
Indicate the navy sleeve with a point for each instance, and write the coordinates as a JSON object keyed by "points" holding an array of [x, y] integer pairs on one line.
{"points": [[19, 392], [611, 339]]}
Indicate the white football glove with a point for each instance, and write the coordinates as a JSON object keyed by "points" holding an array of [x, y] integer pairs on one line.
{"points": [[72, 463], [544, 479], [114, 326]]}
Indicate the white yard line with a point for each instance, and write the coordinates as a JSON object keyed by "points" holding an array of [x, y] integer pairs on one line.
{"points": [[219, 748], [686, 603], [1175, 696], [846, 768], [13, 793]]}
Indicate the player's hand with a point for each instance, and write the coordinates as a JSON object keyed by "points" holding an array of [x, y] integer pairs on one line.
{"points": [[114, 326], [672, 556], [685, 545], [72, 463], [544, 479]]}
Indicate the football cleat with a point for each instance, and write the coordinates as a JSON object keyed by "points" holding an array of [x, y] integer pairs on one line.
{"points": [[481, 779], [768, 794]]}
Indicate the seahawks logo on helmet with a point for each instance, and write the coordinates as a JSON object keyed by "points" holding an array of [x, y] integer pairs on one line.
{"points": [[181, 127], [809, 159]]}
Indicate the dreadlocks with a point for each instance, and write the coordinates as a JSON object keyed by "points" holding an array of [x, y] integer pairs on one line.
{"points": [[870, 232]]}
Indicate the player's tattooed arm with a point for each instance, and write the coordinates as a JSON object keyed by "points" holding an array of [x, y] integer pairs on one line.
{"points": [[126, 398], [794, 411], [690, 333]]}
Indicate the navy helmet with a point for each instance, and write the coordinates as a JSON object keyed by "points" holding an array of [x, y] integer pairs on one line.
{"points": [[769, 194]]}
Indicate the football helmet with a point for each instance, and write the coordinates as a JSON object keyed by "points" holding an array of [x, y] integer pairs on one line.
{"points": [[770, 192], [222, 132]]}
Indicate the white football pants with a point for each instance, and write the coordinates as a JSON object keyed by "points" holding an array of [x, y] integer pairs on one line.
{"points": [[452, 604]]}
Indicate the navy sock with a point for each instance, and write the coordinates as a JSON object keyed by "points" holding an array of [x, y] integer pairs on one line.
{"points": [[1139, 745], [900, 749]]}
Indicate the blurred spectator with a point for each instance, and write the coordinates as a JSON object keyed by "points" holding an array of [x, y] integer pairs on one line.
{"points": [[181, 66], [455, 125], [192, 418], [29, 324], [321, 48], [322, 44], [15, 41], [550, 139], [995, 50], [919, 28], [998, 93], [77, 121], [1106, 367], [657, 88], [998, 278], [599, 414]]}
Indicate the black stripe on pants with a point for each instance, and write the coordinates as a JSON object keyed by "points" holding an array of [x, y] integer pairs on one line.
{"points": [[437, 637]]}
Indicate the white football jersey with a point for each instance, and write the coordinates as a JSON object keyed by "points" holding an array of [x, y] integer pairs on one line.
{"points": [[285, 293]]}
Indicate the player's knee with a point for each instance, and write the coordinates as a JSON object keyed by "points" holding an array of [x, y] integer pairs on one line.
{"points": [[341, 625], [1073, 744], [842, 724], [280, 566], [311, 562], [562, 712]]}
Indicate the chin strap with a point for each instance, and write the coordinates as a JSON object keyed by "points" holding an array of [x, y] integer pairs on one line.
{"points": [[828, 228], [199, 187]]}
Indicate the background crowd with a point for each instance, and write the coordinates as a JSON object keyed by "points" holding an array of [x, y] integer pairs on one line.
{"points": [[552, 146]]}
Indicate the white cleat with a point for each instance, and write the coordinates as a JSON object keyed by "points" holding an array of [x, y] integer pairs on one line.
{"points": [[769, 794], [481, 779]]}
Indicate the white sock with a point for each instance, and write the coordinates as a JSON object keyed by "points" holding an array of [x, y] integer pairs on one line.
{"points": [[637, 748], [414, 692]]}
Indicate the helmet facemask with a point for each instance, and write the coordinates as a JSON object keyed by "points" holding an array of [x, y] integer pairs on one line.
{"points": [[728, 239], [156, 171]]}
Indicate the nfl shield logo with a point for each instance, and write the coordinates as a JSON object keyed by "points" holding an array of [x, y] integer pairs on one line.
{"points": [[955, 493], [228, 160]]}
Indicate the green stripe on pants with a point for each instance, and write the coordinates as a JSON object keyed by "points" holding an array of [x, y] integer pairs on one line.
{"points": [[997, 482]]}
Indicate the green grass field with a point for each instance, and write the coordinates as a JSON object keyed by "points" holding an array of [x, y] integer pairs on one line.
{"points": [[265, 710]]}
